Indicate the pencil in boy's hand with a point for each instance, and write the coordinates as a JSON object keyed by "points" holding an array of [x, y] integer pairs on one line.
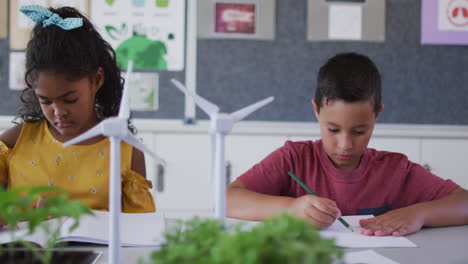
{"points": [[313, 193]]}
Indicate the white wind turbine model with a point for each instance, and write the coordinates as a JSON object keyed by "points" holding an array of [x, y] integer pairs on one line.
{"points": [[116, 128], [221, 125]]}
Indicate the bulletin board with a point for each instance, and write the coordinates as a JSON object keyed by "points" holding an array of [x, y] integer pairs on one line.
{"points": [[422, 84]]}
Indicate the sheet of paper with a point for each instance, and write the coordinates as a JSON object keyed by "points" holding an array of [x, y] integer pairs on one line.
{"points": [[345, 238], [345, 22], [81, 5], [137, 229], [144, 91], [21, 25], [366, 256], [17, 70], [352, 220]]}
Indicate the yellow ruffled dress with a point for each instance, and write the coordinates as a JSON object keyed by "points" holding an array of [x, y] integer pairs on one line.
{"points": [[39, 159]]}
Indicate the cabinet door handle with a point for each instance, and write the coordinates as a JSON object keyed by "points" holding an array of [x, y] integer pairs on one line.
{"points": [[427, 167], [228, 172], [160, 178]]}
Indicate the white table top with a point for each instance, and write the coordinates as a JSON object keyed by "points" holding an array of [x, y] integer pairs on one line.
{"points": [[435, 245]]}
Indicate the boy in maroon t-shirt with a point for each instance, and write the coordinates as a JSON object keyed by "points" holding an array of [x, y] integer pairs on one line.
{"points": [[349, 178]]}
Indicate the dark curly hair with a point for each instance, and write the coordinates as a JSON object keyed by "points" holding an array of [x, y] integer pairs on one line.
{"points": [[76, 53], [351, 77]]}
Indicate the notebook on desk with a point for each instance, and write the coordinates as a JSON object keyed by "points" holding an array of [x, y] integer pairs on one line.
{"points": [[137, 230]]}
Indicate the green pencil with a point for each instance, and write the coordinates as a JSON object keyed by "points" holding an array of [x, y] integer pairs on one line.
{"points": [[313, 193]]}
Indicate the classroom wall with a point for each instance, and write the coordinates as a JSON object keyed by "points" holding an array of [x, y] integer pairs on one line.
{"points": [[422, 84]]}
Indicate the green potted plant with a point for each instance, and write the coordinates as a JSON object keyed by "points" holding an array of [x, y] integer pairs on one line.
{"points": [[20, 206], [280, 239]]}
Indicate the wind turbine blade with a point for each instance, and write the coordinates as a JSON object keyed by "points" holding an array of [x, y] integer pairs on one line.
{"points": [[124, 109], [242, 113], [207, 106], [132, 140], [86, 135]]}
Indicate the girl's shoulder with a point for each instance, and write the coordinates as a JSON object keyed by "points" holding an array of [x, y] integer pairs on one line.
{"points": [[11, 135]]}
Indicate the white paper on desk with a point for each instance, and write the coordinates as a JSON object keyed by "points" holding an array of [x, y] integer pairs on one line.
{"points": [[345, 238], [366, 256], [352, 220]]}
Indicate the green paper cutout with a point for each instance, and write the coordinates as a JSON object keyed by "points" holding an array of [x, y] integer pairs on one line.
{"points": [[146, 54]]}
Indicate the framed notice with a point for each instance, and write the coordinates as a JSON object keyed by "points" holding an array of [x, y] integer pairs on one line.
{"points": [[17, 70], [346, 20], [144, 91], [3, 19], [241, 19], [21, 25], [444, 22], [150, 33]]}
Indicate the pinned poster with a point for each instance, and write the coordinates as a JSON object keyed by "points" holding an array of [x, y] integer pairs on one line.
{"points": [[346, 20], [150, 33], [17, 70], [21, 25], [3, 19], [237, 19], [144, 91], [444, 22]]}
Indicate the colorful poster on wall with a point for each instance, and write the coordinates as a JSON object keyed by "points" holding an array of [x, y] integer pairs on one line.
{"points": [[237, 19], [21, 25], [444, 22], [151, 33], [3, 19]]}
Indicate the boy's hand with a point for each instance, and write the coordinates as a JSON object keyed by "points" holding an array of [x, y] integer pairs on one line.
{"points": [[319, 211], [399, 222]]}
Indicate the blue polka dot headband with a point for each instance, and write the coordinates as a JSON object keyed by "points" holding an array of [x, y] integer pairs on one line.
{"points": [[38, 13]]}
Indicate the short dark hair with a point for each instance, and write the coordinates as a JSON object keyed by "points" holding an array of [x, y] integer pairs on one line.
{"points": [[350, 77], [75, 53]]}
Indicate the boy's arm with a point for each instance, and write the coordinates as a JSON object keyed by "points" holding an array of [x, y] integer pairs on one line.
{"points": [[246, 204], [448, 211]]}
